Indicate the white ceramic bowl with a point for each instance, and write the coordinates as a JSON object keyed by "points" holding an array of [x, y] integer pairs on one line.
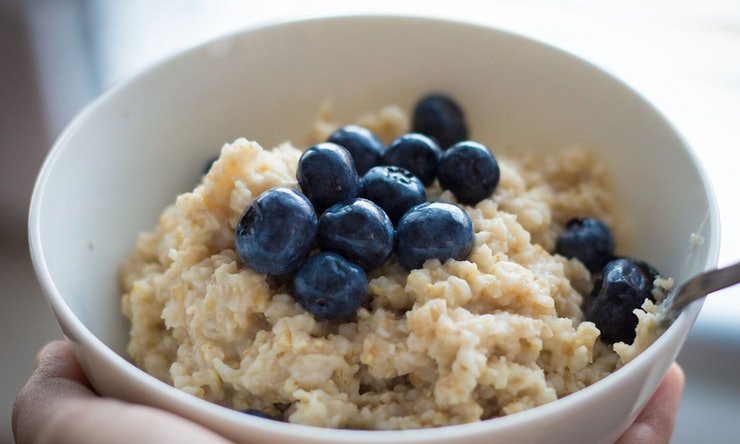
{"points": [[123, 159]]}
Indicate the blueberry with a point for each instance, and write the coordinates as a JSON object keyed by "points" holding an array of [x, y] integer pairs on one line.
{"points": [[622, 287], [327, 175], [417, 153], [329, 286], [359, 230], [259, 413], [588, 240], [276, 232], [394, 189], [470, 171], [364, 146], [429, 230], [209, 163], [439, 117]]}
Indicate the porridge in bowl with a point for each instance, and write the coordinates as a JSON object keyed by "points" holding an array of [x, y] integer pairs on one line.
{"points": [[508, 326]]}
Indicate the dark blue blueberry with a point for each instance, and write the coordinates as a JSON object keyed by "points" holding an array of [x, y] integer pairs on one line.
{"points": [[588, 240], [327, 175], [329, 286], [429, 230], [470, 171], [364, 146], [622, 287], [259, 413], [417, 153], [394, 189], [439, 117], [359, 230], [209, 163], [276, 232]]}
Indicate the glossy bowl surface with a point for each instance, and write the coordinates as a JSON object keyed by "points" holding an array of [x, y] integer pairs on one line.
{"points": [[130, 152]]}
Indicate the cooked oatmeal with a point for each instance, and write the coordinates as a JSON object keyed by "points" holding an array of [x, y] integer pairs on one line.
{"points": [[449, 343]]}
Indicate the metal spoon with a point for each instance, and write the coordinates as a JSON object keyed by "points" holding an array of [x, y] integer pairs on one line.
{"points": [[696, 288]]}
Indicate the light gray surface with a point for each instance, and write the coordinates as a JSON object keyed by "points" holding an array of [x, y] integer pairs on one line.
{"points": [[710, 407], [25, 327], [681, 54]]}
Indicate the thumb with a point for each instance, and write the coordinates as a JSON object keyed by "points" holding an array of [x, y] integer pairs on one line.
{"points": [[654, 425], [57, 405]]}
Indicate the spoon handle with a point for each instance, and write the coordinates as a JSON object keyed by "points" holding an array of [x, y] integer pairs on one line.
{"points": [[699, 286]]}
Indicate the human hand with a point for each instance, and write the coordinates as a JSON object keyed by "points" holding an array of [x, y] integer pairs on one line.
{"points": [[58, 405], [655, 423]]}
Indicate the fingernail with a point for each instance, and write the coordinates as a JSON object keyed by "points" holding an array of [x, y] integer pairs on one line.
{"points": [[38, 355], [42, 351]]}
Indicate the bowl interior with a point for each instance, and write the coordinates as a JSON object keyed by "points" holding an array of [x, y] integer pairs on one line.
{"points": [[133, 150]]}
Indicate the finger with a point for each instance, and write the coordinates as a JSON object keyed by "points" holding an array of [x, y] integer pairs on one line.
{"points": [[654, 425], [57, 377], [57, 405], [56, 361]]}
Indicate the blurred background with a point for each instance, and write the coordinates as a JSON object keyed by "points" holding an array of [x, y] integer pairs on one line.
{"points": [[684, 56]]}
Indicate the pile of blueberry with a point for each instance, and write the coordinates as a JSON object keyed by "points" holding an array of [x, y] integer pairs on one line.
{"points": [[621, 285], [361, 201]]}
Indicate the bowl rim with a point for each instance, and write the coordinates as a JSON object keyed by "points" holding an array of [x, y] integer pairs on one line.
{"points": [[75, 330]]}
